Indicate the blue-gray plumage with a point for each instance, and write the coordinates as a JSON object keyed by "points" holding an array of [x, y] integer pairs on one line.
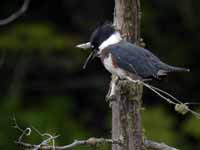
{"points": [[140, 61], [124, 59]]}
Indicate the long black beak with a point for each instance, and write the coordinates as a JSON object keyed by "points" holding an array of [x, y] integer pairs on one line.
{"points": [[92, 55]]}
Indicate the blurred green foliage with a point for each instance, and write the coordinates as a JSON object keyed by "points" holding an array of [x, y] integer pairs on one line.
{"points": [[191, 126], [156, 119], [33, 36], [45, 118], [42, 82], [36, 36]]}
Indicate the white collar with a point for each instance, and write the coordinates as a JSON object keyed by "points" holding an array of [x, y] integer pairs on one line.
{"points": [[113, 39]]}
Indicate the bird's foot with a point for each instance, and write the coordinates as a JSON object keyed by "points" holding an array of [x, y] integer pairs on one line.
{"points": [[110, 99]]}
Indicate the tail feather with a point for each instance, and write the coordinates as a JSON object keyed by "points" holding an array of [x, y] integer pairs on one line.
{"points": [[177, 69]]}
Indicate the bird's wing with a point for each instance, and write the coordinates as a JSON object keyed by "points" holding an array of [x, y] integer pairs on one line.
{"points": [[136, 60]]}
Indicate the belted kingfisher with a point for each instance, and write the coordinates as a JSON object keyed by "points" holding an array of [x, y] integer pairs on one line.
{"points": [[124, 59]]}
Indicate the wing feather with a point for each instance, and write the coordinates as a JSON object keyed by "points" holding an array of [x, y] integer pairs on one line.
{"points": [[135, 59]]}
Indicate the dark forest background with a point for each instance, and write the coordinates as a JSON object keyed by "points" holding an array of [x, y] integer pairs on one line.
{"points": [[42, 81]]}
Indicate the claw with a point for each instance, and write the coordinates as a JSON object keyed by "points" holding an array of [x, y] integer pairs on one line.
{"points": [[110, 99]]}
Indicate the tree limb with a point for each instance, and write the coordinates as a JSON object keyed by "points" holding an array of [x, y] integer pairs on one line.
{"points": [[180, 107], [151, 145], [17, 14], [91, 141]]}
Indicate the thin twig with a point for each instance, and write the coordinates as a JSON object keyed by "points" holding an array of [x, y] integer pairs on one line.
{"points": [[184, 106], [44, 144], [174, 98], [50, 137], [25, 132], [157, 146], [155, 91], [180, 107], [17, 14]]}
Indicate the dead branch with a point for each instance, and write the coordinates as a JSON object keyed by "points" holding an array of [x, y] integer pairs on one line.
{"points": [[91, 142], [44, 145], [17, 14], [180, 107], [151, 145]]}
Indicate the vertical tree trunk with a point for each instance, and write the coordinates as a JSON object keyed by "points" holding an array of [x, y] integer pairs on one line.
{"points": [[126, 117], [127, 18]]}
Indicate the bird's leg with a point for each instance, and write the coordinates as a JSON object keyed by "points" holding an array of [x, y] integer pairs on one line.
{"points": [[112, 90]]}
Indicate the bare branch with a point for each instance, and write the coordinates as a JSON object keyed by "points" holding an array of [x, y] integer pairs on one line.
{"points": [[91, 141], [151, 145], [24, 132], [44, 144], [94, 141], [180, 107], [49, 139], [17, 14], [157, 146]]}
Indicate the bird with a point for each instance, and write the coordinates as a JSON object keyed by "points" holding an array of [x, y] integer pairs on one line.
{"points": [[124, 59]]}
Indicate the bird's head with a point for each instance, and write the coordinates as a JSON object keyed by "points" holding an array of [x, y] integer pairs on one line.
{"points": [[103, 36]]}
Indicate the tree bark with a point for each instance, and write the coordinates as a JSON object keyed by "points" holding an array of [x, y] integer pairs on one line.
{"points": [[127, 18], [126, 117]]}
